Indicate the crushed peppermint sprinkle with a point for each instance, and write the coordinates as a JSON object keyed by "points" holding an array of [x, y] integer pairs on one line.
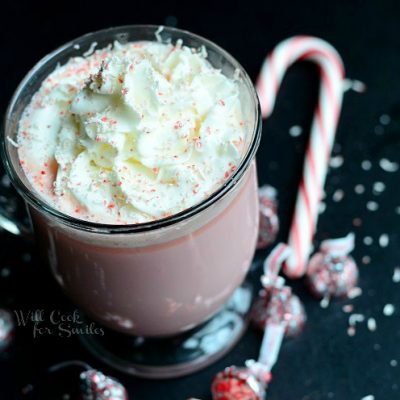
{"points": [[371, 324], [359, 189], [336, 162], [368, 240], [356, 318], [338, 195], [388, 165], [13, 142], [372, 205], [295, 131], [354, 292], [348, 308], [393, 363], [366, 260], [384, 240], [355, 85], [366, 165], [396, 275], [388, 310], [324, 303], [384, 119], [90, 50], [378, 187], [368, 397]]}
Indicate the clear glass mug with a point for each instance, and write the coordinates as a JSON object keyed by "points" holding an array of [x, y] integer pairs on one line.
{"points": [[154, 279]]}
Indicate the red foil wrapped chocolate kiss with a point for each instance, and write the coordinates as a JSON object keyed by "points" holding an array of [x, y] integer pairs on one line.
{"points": [[269, 222], [97, 386], [332, 271]]}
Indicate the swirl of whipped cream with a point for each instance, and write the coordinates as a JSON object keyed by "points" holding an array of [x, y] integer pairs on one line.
{"points": [[155, 130]]}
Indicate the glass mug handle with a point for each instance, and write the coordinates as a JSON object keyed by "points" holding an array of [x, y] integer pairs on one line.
{"points": [[13, 214]]}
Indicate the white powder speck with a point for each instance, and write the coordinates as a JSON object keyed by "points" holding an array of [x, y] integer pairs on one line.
{"points": [[76, 46], [336, 162], [396, 275], [397, 210], [354, 292], [372, 205], [366, 165], [338, 195], [378, 187], [295, 131], [359, 189], [388, 166], [371, 324], [388, 310], [393, 363], [368, 397], [321, 207], [377, 346], [5, 181], [384, 119], [384, 240], [368, 240]]}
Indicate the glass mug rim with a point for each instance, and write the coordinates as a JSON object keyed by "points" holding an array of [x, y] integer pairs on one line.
{"points": [[34, 199]]}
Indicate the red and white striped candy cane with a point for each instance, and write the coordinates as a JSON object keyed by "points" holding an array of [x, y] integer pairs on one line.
{"points": [[323, 129]]}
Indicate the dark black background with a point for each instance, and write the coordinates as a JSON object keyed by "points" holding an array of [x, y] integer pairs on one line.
{"points": [[323, 362]]}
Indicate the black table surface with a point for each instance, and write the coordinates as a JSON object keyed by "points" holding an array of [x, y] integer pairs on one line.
{"points": [[324, 362]]}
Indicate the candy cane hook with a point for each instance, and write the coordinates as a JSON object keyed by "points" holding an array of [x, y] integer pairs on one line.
{"points": [[323, 129]]}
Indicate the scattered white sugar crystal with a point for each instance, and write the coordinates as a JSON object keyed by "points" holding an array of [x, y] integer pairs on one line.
{"points": [[384, 119], [393, 363], [354, 292], [368, 240], [372, 205], [359, 189], [366, 165], [76, 46], [388, 165], [396, 275], [378, 187], [355, 85], [348, 308], [379, 130], [384, 240], [338, 195], [371, 324], [397, 210], [368, 397], [388, 310], [295, 131], [336, 162], [321, 207]]}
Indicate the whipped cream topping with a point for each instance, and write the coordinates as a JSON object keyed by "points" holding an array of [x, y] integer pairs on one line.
{"points": [[132, 134]]}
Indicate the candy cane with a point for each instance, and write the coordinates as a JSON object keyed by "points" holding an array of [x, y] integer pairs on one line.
{"points": [[322, 135]]}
